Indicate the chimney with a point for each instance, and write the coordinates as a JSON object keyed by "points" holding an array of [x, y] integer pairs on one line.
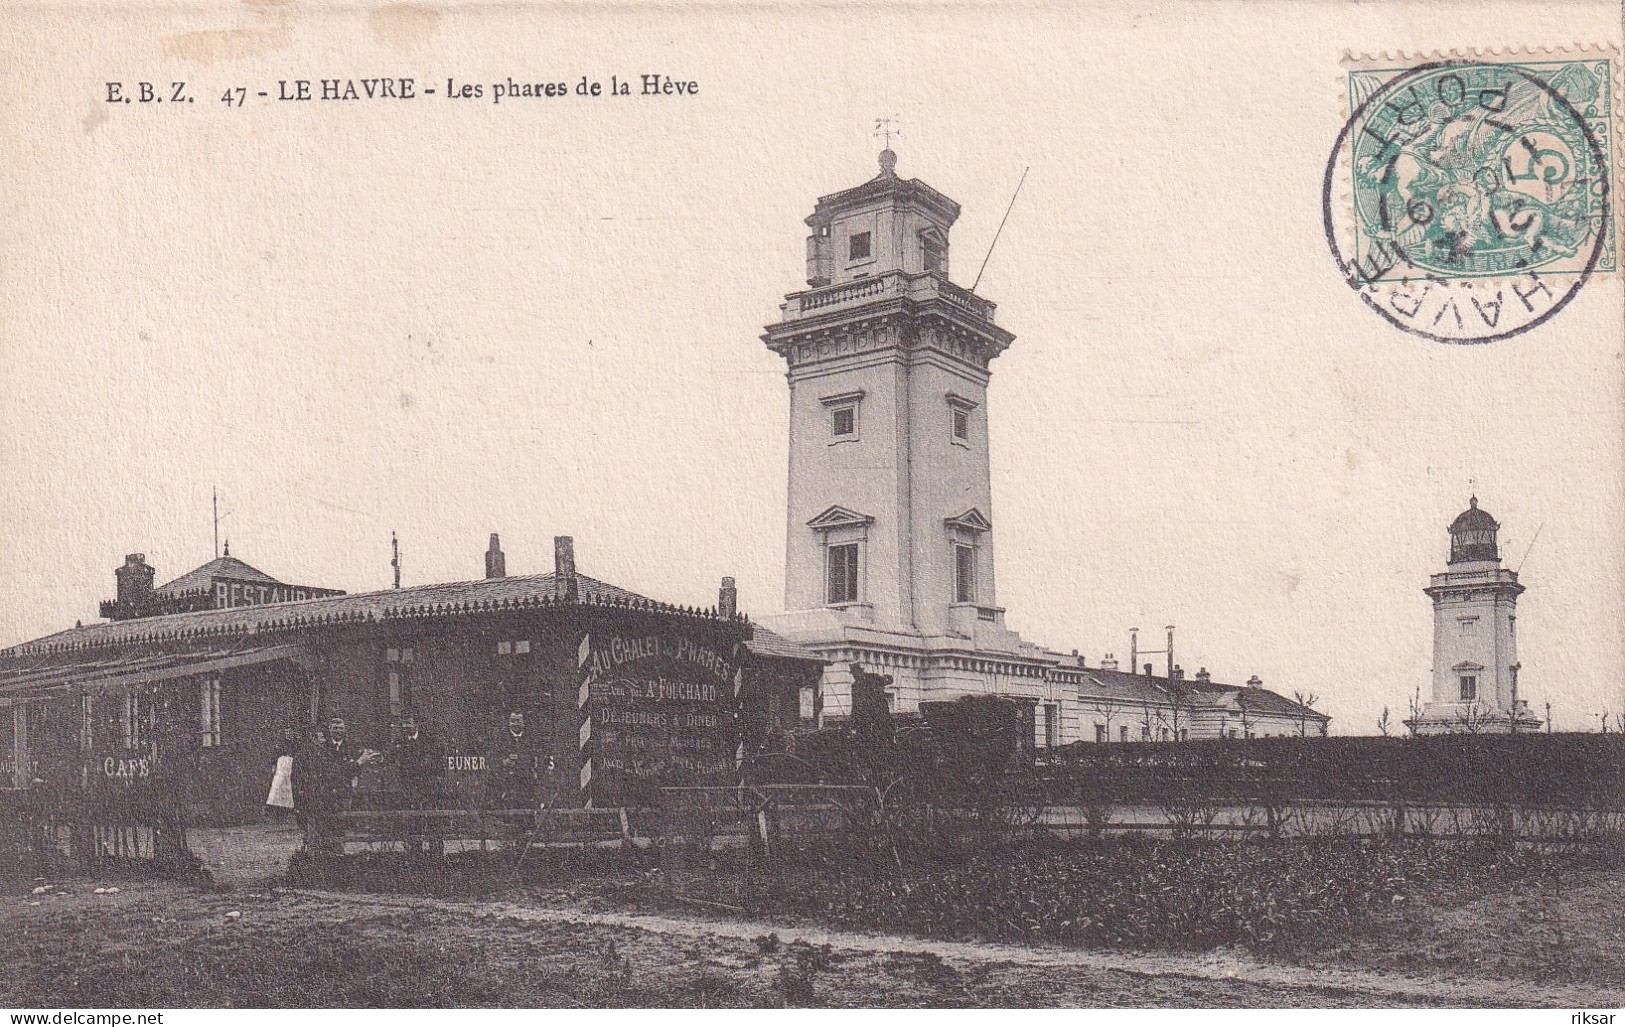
{"points": [[564, 568], [1178, 674], [727, 599], [1255, 682], [1148, 670], [1110, 662], [496, 565], [134, 579], [1203, 677]]}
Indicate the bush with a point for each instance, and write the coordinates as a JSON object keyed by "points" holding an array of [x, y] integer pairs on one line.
{"points": [[1131, 893], [797, 973], [1543, 771]]}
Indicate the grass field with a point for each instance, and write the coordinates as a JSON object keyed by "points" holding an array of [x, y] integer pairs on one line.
{"points": [[1464, 932], [163, 945]]}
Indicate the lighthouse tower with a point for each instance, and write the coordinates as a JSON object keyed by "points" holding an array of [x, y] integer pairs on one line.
{"points": [[1475, 637], [890, 523]]}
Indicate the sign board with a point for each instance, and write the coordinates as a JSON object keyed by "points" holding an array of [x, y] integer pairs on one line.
{"points": [[660, 710]]}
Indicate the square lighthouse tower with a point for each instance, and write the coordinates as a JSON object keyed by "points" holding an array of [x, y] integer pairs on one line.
{"points": [[889, 534]]}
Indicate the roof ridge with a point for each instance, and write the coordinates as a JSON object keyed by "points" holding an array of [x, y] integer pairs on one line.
{"points": [[213, 567], [428, 600]]}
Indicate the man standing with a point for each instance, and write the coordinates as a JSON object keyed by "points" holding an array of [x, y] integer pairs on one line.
{"points": [[341, 764], [419, 767], [514, 772], [334, 767]]}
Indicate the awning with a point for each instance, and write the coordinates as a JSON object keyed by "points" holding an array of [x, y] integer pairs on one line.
{"points": [[111, 674]]}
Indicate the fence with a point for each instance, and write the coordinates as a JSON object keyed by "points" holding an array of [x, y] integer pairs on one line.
{"points": [[1540, 788], [1535, 788], [694, 820], [41, 829]]}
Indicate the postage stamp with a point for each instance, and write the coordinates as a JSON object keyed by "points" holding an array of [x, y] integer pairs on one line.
{"points": [[1469, 199]]}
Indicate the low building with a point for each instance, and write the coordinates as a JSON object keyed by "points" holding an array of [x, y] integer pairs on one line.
{"points": [[1116, 706], [620, 694]]}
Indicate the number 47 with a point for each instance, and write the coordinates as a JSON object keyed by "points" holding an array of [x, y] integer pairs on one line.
{"points": [[235, 97]]}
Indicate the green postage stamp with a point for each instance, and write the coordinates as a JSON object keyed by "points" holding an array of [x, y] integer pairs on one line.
{"points": [[1470, 198]]}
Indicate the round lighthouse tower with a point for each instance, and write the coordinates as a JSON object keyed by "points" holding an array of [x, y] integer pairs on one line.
{"points": [[1475, 636]]}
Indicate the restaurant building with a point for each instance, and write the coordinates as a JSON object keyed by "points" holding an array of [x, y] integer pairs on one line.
{"points": [[620, 694]]}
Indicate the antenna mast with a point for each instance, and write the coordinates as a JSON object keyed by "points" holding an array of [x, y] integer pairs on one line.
{"points": [[395, 557], [215, 499], [1531, 546], [1000, 229]]}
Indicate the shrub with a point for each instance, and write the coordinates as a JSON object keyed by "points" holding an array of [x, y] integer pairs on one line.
{"points": [[1129, 893], [804, 962]]}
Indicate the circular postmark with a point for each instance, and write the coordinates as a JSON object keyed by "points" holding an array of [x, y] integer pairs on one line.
{"points": [[1467, 202]]}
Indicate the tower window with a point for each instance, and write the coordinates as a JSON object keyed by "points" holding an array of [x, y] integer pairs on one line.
{"points": [[843, 573], [935, 254], [959, 408], [1469, 687], [843, 415], [857, 246], [964, 573], [844, 421]]}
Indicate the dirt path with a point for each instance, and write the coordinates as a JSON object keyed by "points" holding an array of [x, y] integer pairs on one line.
{"points": [[1382, 988]]}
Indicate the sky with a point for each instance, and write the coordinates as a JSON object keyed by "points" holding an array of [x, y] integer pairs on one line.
{"points": [[446, 317]]}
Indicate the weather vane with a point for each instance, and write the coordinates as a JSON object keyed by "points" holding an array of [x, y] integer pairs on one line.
{"points": [[886, 128]]}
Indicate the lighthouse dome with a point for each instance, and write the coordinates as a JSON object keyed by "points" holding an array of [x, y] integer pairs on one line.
{"points": [[1473, 535]]}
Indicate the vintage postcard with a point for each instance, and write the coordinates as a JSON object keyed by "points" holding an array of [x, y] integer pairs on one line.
{"points": [[761, 505]]}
